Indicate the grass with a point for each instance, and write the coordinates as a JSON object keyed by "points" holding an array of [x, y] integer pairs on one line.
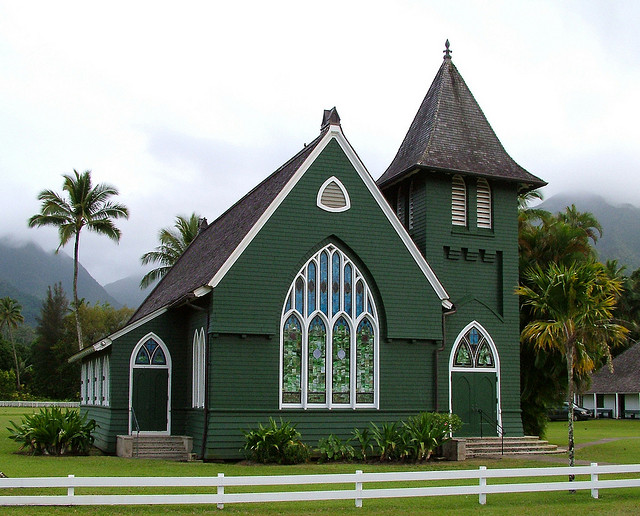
{"points": [[611, 502], [623, 449]]}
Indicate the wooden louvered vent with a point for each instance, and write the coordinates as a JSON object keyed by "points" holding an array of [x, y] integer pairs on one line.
{"points": [[458, 202], [333, 196], [484, 204]]}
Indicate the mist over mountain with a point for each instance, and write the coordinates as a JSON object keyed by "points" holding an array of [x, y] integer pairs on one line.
{"points": [[620, 226], [26, 270], [127, 290]]}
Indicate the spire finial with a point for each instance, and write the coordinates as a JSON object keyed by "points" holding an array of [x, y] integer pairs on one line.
{"points": [[447, 52]]}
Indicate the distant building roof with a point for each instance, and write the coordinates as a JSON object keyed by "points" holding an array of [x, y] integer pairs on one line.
{"points": [[625, 377], [451, 133]]}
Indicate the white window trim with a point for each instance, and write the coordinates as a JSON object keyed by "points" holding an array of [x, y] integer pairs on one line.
{"points": [[133, 365], [333, 179], [330, 321], [495, 368], [106, 395], [198, 369]]}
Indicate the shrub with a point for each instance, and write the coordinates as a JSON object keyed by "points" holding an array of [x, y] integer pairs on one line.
{"points": [[388, 440], [281, 444], [333, 449], [7, 385], [365, 448], [54, 432], [423, 433]]}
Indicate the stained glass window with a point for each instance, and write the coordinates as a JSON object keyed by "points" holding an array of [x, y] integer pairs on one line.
{"points": [[359, 298], [463, 356], [473, 350], [364, 362], [317, 390], [335, 284], [329, 335], [300, 294], [292, 361], [341, 360], [324, 265], [150, 353], [347, 289], [311, 288]]}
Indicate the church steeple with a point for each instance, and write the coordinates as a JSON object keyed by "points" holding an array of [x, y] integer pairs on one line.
{"points": [[451, 133]]}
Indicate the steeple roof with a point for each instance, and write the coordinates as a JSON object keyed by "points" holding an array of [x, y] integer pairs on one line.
{"points": [[451, 133]]}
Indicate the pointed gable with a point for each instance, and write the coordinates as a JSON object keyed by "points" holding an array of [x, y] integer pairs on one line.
{"points": [[216, 248], [214, 245], [450, 132]]}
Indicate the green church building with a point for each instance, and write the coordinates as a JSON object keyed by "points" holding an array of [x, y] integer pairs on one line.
{"points": [[330, 300]]}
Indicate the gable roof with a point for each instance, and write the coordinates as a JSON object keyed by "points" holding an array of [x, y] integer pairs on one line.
{"points": [[451, 133], [214, 250], [625, 377]]}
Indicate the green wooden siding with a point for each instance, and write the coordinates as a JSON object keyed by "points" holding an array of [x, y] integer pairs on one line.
{"points": [[250, 297], [479, 269]]}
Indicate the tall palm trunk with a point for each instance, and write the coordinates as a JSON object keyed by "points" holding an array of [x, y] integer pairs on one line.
{"points": [[15, 357], [76, 306], [570, 389]]}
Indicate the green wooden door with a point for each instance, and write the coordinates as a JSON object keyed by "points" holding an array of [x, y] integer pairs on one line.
{"points": [[149, 400], [470, 393]]}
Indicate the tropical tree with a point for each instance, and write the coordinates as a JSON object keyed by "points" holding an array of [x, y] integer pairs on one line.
{"points": [[544, 238], [572, 307], [83, 206], [11, 317], [173, 242]]}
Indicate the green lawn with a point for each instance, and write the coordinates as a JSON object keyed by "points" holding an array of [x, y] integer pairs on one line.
{"points": [[624, 447], [611, 502]]}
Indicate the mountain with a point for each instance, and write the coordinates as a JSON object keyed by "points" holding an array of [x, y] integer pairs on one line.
{"points": [[620, 226], [27, 270], [127, 291]]}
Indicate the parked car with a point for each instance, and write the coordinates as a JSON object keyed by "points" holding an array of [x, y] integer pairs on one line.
{"points": [[561, 413]]}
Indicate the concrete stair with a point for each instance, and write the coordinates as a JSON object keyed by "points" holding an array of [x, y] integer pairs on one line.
{"points": [[527, 445], [165, 447]]}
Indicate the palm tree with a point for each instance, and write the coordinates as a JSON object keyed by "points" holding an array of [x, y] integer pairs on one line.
{"points": [[84, 206], [572, 307], [173, 242], [11, 316]]}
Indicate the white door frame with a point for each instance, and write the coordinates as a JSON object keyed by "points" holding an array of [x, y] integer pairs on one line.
{"points": [[133, 366]]}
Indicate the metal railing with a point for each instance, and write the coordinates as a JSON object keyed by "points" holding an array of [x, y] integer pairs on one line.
{"points": [[134, 421], [494, 423]]}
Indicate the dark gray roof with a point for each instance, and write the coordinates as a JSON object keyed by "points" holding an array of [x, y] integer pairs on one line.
{"points": [[451, 133], [625, 377], [212, 247]]}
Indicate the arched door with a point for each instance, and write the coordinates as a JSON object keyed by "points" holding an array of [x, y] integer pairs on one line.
{"points": [[150, 387], [474, 393]]}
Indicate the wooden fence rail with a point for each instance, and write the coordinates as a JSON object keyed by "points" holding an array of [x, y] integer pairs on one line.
{"points": [[357, 493]]}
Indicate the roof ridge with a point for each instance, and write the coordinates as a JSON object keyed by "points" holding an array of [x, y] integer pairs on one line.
{"points": [[437, 110]]}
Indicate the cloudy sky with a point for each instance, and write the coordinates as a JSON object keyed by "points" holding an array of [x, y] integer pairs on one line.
{"points": [[185, 106]]}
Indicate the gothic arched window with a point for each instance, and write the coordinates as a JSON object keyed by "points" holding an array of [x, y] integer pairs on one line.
{"points": [[329, 336]]}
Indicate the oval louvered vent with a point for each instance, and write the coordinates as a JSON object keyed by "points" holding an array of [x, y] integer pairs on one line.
{"points": [[333, 196], [458, 202], [484, 204]]}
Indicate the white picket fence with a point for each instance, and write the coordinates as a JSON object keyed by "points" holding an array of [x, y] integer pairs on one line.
{"points": [[358, 493]]}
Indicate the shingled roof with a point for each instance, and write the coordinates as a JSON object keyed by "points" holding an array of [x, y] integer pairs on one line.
{"points": [[451, 133], [212, 247], [625, 377]]}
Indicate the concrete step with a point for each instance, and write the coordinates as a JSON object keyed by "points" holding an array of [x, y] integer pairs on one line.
{"points": [[527, 445], [165, 447]]}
